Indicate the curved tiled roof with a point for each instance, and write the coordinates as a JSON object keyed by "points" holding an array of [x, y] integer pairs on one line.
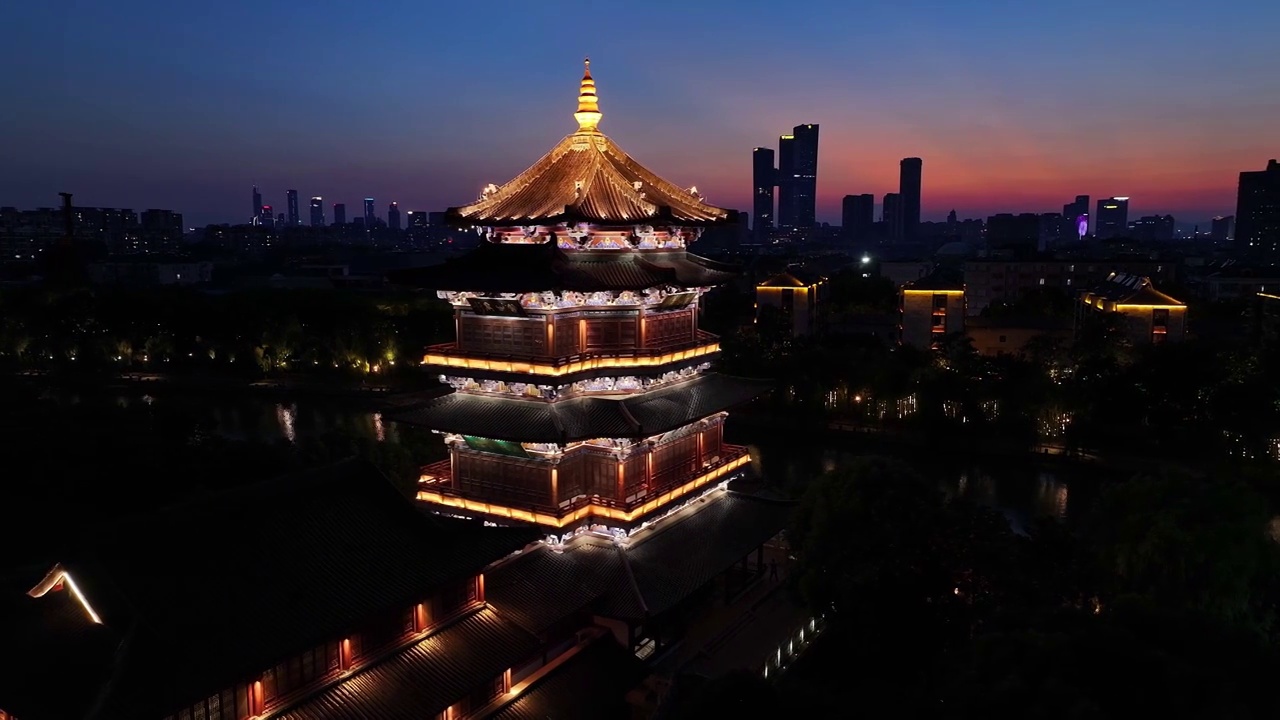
{"points": [[498, 267], [327, 550], [587, 178], [665, 565], [1126, 289], [583, 418]]}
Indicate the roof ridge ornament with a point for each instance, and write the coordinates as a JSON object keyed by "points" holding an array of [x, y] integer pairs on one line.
{"points": [[588, 114]]}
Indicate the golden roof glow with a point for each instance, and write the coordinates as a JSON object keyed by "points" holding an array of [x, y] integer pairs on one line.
{"points": [[588, 115], [587, 178]]}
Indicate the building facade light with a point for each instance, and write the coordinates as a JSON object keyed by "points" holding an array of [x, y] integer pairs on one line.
{"points": [[59, 575]]}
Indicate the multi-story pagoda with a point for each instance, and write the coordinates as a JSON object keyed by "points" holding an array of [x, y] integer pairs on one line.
{"points": [[581, 392]]}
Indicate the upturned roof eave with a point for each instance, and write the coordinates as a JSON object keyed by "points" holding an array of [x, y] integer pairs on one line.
{"points": [[664, 216]]}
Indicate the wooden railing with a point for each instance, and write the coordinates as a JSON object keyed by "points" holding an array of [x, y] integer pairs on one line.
{"points": [[438, 478]]}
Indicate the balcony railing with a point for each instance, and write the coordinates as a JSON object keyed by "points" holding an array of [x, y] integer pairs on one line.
{"points": [[449, 355], [436, 484]]}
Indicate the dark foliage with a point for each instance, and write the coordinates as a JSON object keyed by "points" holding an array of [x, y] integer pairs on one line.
{"points": [[1162, 605]]}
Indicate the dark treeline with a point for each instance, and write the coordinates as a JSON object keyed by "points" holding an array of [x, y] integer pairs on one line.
{"points": [[1214, 398], [1161, 603], [244, 333], [1158, 599], [71, 465]]}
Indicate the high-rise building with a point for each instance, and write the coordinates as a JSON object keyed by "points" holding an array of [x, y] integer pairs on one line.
{"points": [[418, 224], [784, 180], [267, 218], [858, 215], [291, 206], [1258, 213], [256, 217], [909, 177], [339, 214], [1112, 219], [804, 175], [1075, 216], [1157, 228], [317, 211], [1018, 233], [370, 215], [161, 230], [891, 215], [1053, 226], [1224, 229], [763, 179], [393, 216]]}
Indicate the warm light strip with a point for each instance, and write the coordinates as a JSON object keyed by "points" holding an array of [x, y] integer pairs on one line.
{"points": [[933, 292], [1152, 307], [51, 580], [587, 510], [597, 363], [1269, 296]]}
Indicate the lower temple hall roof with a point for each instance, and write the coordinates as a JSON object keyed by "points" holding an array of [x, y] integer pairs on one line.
{"points": [[516, 268], [591, 685], [425, 679], [206, 594], [664, 565], [583, 418]]}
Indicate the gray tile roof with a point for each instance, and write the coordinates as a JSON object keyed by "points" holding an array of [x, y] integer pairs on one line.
{"points": [[216, 590], [53, 644], [591, 685], [582, 418], [664, 565], [428, 677], [1123, 288], [495, 267]]}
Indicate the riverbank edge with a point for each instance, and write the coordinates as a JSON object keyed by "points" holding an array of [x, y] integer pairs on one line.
{"points": [[372, 396]]}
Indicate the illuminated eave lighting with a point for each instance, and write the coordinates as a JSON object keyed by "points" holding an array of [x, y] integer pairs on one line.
{"points": [[933, 292], [50, 581], [473, 363], [1151, 307], [587, 510]]}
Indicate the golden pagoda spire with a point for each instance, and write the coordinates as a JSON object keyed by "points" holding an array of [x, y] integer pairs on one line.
{"points": [[588, 115]]}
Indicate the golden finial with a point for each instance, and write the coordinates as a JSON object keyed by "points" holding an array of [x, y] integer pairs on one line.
{"points": [[588, 115]]}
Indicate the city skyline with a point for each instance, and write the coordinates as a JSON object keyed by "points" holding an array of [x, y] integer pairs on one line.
{"points": [[428, 124]]}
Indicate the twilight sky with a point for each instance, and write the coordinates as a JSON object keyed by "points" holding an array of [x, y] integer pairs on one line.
{"points": [[1014, 106]]}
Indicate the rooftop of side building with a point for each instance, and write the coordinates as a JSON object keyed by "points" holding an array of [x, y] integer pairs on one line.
{"points": [[268, 570], [652, 572], [540, 267], [940, 280], [1126, 289]]}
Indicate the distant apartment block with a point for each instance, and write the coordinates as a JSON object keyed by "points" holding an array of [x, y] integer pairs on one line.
{"points": [[25, 234], [145, 272], [930, 309], [1257, 231]]}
